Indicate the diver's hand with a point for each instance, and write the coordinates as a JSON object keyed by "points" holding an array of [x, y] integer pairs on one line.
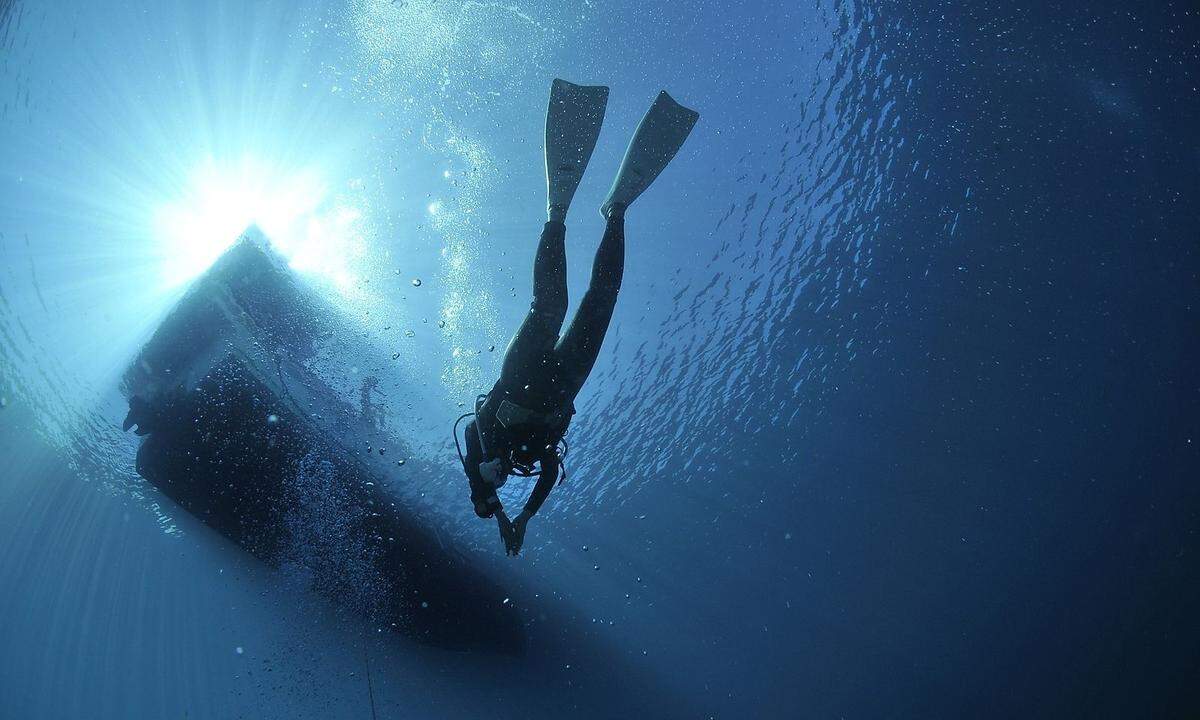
{"points": [[518, 532], [506, 530]]}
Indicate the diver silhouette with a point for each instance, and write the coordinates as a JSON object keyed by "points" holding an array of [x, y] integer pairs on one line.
{"points": [[518, 427]]}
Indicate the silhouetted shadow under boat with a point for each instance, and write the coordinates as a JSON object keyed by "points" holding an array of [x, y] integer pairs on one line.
{"points": [[238, 433]]}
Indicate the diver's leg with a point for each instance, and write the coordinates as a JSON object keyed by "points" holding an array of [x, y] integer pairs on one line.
{"points": [[535, 338], [580, 345]]}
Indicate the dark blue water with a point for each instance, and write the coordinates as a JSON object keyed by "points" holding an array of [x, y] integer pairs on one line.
{"points": [[898, 416]]}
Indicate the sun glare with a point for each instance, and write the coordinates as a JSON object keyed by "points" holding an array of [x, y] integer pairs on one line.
{"points": [[317, 232]]}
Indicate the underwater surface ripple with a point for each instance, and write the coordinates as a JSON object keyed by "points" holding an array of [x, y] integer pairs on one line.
{"points": [[748, 350]]}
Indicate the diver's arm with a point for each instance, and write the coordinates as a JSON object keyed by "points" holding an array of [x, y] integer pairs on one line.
{"points": [[545, 484], [483, 496], [542, 489]]}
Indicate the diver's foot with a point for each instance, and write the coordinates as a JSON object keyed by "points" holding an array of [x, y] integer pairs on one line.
{"points": [[657, 139], [573, 118]]}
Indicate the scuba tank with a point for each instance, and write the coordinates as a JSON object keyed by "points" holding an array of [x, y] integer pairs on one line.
{"points": [[508, 415]]}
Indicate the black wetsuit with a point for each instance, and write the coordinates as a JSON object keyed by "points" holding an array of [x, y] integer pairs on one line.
{"points": [[530, 406]]}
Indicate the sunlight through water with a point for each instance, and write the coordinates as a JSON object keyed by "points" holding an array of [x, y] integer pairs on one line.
{"points": [[316, 231]]}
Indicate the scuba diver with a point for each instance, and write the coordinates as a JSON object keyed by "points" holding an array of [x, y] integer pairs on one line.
{"points": [[520, 424]]}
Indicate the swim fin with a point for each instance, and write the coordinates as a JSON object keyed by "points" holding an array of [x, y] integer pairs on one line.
{"points": [[572, 126], [659, 136]]}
